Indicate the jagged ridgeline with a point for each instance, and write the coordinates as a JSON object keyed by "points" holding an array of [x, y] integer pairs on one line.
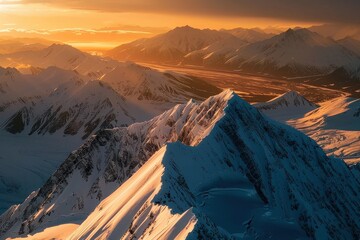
{"points": [[67, 102], [212, 170]]}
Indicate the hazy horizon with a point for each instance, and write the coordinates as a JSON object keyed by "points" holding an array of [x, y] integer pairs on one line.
{"points": [[91, 25]]}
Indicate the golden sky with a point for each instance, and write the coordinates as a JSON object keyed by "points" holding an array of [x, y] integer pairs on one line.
{"points": [[112, 22]]}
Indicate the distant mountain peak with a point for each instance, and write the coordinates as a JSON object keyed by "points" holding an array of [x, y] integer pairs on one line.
{"points": [[8, 71], [57, 48], [289, 31], [288, 105], [299, 32], [186, 27], [290, 98]]}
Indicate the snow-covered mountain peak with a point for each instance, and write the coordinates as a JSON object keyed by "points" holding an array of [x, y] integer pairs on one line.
{"points": [[288, 99], [304, 36], [62, 49], [62, 56], [168, 47], [54, 75], [249, 35], [295, 53], [124, 182], [185, 28], [290, 104], [145, 84], [8, 73]]}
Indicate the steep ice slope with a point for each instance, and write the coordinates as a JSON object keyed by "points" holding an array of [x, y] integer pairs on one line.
{"points": [[282, 178], [169, 47], [129, 212], [62, 56], [295, 53], [286, 106]]}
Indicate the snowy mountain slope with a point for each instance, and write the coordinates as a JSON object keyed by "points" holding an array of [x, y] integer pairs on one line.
{"points": [[134, 81], [351, 44], [216, 54], [282, 178], [11, 45], [249, 35], [68, 103], [18, 89], [61, 56], [74, 108], [145, 84], [64, 106], [148, 92], [295, 53], [120, 153], [286, 106], [334, 124], [170, 47]]}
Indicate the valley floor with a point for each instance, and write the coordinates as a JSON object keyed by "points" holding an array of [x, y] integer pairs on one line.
{"points": [[253, 88]]}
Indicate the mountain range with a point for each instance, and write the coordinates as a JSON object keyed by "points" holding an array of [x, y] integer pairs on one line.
{"points": [[67, 105], [130, 182], [294, 53], [94, 148]]}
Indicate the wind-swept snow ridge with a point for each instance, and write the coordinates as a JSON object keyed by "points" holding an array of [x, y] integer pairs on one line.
{"points": [[112, 156], [224, 149]]}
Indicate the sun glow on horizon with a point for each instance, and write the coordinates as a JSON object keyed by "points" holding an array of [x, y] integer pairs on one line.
{"points": [[95, 29]]}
